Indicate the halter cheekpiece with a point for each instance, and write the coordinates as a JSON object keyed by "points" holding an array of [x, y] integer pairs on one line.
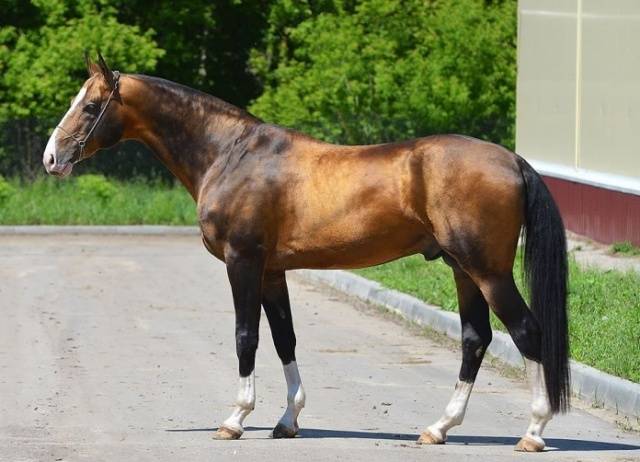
{"points": [[82, 142]]}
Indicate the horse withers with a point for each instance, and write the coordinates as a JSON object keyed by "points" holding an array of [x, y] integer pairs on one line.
{"points": [[270, 199]]}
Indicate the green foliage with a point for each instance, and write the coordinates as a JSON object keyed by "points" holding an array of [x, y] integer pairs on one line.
{"points": [[207, 43], [96, 201], [42, 67], [283, 16], [199, 43], [625, 248], [390, 69], [96, 186], [604, 308], [6, 190]]}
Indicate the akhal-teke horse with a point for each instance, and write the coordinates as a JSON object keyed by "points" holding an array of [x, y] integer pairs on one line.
{"points": [[270, 199]]}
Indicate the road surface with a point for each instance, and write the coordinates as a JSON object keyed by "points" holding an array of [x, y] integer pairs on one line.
{"points": [[122, 349]]}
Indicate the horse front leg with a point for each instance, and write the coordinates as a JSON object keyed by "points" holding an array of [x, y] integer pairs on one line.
{"points": [[275, 299], [245, 275]]}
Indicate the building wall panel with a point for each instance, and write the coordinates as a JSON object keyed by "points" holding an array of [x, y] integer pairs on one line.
{"points": [[578, 110], [604, 215], [610, 87], [545, 103]]}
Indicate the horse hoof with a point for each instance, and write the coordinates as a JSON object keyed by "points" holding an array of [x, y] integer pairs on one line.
{"points": [[226, 433], [429, 438], [281, 431], [527, 444]]}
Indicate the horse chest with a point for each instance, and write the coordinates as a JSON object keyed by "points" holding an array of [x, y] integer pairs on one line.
{"points": [[214, 234]]}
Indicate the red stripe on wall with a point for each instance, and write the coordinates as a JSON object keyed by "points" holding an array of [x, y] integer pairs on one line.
{"points": [[601, 214]]}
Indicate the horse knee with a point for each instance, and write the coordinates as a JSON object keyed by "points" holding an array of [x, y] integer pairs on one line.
{"points": [[246, 342], [246, 346]]}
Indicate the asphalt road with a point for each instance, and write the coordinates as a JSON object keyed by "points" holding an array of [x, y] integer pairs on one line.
{"points": [[122, 349]]}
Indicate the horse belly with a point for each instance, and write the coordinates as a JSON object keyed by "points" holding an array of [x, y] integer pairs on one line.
{"points": [[345, 248]]}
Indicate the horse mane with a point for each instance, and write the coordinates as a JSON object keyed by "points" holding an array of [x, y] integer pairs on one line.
{"points": [[185, 92]]}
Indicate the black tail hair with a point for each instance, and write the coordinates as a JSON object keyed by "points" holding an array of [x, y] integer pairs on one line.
{"points": [[545, 268]]}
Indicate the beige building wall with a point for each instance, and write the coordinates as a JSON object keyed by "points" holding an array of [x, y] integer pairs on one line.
{"points": [[578, 93]]}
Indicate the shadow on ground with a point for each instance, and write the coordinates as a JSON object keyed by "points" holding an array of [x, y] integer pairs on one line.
{"points": [[553, 444]]}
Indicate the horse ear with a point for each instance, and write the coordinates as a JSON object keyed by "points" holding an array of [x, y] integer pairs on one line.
{"points": [[92, 68], [106, 72]]}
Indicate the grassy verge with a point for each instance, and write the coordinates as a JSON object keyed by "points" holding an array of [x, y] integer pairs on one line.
{"points": [[625, 248], [604, 308], [94, 200]]}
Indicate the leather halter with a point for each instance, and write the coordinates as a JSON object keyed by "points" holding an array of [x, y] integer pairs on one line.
{"points": [[82, 142]]}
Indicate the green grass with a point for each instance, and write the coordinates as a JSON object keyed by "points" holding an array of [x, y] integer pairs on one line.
{"points": [[94, 200], [625, 248], [604, 308]]}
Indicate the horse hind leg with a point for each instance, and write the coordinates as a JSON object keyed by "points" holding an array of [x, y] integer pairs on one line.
{"points": [[524, 329], [476, 336]]}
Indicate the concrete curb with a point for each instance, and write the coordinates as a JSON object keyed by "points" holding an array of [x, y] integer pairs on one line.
{"points": [[143, 230], [592, 385]]}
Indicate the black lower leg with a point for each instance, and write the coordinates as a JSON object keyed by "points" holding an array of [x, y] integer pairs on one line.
{"points": [[275, 300], [476, 329], [245, 276]]}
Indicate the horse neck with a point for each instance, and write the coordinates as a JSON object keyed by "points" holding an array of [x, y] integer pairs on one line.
{"points": [[186, 129]]}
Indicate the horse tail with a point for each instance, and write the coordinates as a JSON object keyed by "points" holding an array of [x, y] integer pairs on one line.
{"points": [[545, 270]]}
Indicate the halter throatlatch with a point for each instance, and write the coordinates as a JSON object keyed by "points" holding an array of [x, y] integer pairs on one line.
{"points": [[82, 142]]}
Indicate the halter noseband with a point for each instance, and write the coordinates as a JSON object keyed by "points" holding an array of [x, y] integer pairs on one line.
{"points": [[82, 142]]}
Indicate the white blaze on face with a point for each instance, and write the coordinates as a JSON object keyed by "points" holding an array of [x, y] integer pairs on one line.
{"points": [[51, 148]]}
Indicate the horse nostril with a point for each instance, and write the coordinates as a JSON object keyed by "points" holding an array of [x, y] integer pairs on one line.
{"points": [[51, 160]]}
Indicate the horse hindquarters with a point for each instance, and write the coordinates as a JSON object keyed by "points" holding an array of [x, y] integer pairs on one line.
{"points": [[477, 223]]}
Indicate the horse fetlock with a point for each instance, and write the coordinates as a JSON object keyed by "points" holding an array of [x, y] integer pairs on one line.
{"points": [[246, 404], [297, 398], [454, 414], [540, 409]]}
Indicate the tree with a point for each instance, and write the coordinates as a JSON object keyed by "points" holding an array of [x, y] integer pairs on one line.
{"points": [[388, 69], [199, 43], [207, 43], [41, 65]]}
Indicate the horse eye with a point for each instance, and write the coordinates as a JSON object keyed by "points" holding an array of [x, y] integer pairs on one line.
{"points": [[91, 108]]}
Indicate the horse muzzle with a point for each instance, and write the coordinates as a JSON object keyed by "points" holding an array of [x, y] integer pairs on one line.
{"points": [[56, 168]]}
